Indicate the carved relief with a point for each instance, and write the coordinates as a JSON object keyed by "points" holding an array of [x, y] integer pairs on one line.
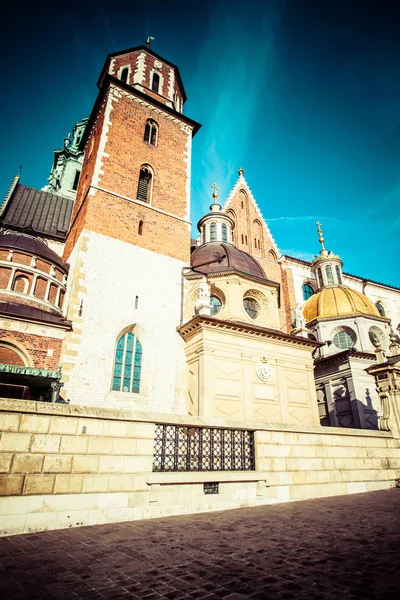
{"points": [[263, 370]]}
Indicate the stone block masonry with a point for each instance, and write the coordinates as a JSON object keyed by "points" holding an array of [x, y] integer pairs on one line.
{"points": [[65, 466]]}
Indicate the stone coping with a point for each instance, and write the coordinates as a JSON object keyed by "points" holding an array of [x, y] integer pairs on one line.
{"points": [[204, 476], [116, 414]]}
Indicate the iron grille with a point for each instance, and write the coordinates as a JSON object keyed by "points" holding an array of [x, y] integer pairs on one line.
{"points": [[178, 448]]}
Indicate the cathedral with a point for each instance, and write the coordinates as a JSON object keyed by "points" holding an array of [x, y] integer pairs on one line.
{"points": [[108, 305]]}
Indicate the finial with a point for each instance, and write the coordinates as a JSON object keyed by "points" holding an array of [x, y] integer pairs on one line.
{"points": [[215, 207], [149, 38], [215, 193], [323, 251], [241, 172]]}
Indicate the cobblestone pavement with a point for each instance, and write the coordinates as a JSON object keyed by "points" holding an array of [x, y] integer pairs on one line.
{"points": [[343, 547]]}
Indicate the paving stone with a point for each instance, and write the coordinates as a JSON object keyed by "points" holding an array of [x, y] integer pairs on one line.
{"points": [[342, 548]]}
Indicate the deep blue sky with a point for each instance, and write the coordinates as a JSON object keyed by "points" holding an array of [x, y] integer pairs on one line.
{"points": [[303, 94]]}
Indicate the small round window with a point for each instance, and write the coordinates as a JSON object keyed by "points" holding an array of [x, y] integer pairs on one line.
{"points": [[344, 338], [251, 307], [376, 336], [216, 305]]}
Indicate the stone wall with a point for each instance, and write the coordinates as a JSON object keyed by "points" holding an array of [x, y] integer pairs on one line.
{"points": [[65, 466]]}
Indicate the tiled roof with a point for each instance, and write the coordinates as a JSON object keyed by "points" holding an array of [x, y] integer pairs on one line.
{"points": [[37, 212], [32, 245], [23, 311]]}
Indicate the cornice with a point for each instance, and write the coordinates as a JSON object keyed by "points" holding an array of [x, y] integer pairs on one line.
{"points": [[201, 321], [340, 356]]}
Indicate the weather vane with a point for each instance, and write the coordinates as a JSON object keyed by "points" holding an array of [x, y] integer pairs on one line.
{"points": [[149, 38]]}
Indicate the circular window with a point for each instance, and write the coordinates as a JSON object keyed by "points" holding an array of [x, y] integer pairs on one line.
{"points": [[216, 305], [344, 338], [376, 336], [251, 307]]}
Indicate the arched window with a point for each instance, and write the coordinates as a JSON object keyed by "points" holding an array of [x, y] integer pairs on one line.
{"points": [[151, 132], [252, 307], [338, 275], [140, 228], [320, 280], [213, 231], [127, 364], [224, 232], [307, 291], [344, 337], [216, 305], [155, 84], [145, 184], [380, 308], [21, 284], [124, 75], [329, 275]]}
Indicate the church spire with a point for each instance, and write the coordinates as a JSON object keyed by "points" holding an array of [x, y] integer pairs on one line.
{"points": [[327, 267], [215, 226]]}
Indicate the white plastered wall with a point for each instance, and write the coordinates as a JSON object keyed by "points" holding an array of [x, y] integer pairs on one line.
{"points": [[106, 275]]}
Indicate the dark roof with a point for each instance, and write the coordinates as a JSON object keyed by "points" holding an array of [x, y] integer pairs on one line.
{"points": [[31, 245], [23, 311], [37, 212], [149, 51], [235, 260]]}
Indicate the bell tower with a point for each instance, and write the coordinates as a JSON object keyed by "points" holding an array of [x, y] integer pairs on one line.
{"points": [[136, 171], [130, 236]]}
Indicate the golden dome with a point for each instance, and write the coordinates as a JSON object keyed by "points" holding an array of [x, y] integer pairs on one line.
{"points": [[338, 302]]}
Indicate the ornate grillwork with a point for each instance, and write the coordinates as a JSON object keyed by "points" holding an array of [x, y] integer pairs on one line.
{"points": [[178, 448]]}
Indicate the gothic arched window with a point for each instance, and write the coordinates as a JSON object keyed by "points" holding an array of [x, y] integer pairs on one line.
{"points": [[329, 275], [127, 364], [338, 275], [151, 132], [124, 75], [155, 84], [213, 231], [224, 232], [145, 184], [380, 308], [307, 291]]}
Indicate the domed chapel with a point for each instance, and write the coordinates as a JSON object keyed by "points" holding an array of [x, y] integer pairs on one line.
{"points": [[108, 305]]}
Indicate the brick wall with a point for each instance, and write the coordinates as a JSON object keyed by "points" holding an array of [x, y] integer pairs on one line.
{"points": [[119, 158], [251, 235], [36, 347]]}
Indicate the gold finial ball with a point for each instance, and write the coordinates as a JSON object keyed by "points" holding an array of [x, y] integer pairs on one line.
{"points": [[215, 193]]}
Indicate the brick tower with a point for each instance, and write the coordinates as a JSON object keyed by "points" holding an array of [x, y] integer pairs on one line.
{"points": [[130, 238]]}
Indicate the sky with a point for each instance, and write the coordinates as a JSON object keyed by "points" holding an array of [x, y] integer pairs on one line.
{"points": [[304, 95]]}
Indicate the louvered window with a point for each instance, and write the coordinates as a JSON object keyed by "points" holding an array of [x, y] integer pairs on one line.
{"points": [[144, 186], [155, 84]]}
